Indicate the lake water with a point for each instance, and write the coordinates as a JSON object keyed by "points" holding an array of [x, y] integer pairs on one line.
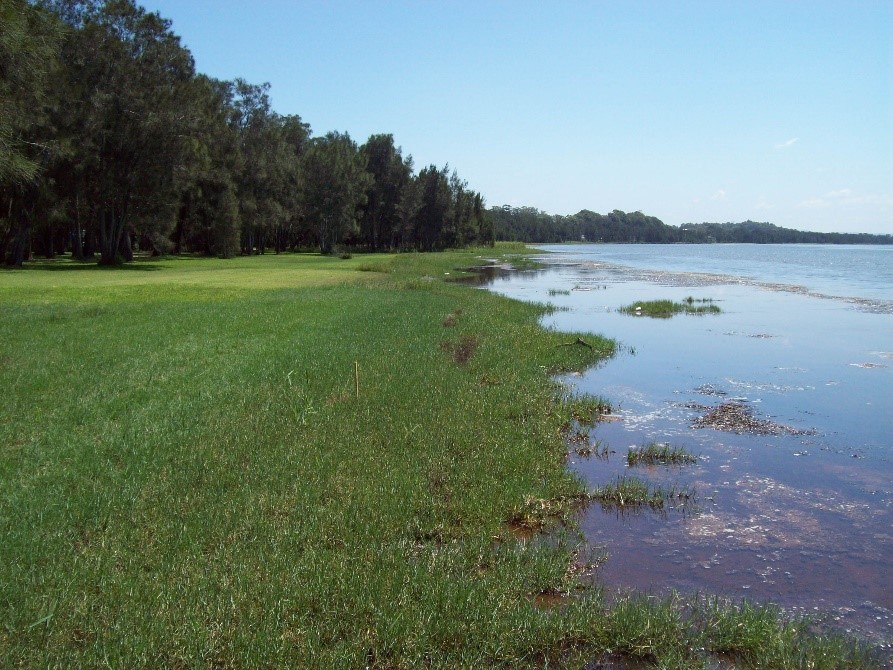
{"points": [[805, 340]]}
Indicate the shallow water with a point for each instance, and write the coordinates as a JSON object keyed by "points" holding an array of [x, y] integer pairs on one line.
{"points": [[805, 519]]}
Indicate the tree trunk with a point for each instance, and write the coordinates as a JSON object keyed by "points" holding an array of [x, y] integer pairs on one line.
{"points": [[89, 244], [126, 250], [111, 229], [19, 250], [77, 243]]}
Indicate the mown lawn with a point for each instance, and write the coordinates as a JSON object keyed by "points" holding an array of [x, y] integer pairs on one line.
{"points": [[189, 480]]}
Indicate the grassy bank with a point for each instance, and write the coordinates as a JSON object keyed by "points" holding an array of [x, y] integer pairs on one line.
{"points": [[191, 480]]}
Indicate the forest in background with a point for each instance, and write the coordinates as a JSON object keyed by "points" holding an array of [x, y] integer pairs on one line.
{"points": [[526, 224], [111, 142]]}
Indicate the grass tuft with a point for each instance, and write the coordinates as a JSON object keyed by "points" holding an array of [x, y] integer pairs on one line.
{"points": [[664, 309], [655, 453], [587, 409], [632, 493]]}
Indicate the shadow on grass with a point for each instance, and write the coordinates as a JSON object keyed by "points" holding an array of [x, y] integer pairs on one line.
{"points": [[70, 265]]}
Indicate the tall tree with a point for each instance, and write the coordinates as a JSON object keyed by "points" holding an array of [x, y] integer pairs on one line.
{"points": [[208, 219], [29, 44], [333, 187], [293, 137], [390, 175], [130, 86], [434, 208]]}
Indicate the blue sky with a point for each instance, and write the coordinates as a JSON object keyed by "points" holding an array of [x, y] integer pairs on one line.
{"points": [[689, 111]]}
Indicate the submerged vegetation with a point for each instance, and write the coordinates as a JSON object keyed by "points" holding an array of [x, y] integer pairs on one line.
{"points": [[655, 453], [274, 461], [664, 309], [632, 493]]}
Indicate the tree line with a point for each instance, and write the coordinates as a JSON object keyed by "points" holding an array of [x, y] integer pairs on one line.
{"points": [[111, 142], [527, 224]]}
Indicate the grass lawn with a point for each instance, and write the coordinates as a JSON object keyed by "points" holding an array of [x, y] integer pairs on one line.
{"points": [[189, 480]]}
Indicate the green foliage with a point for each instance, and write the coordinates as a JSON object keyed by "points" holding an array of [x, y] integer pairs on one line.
{"points": [[391, 174], [119, 146], [29, 46], [334, 187], [532, 225]]}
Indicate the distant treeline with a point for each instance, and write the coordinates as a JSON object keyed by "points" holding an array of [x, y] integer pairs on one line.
{"points": [[111, 141], [526, 224]]}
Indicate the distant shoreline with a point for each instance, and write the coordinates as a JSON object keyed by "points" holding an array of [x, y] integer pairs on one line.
{"points": [[525, 224]]}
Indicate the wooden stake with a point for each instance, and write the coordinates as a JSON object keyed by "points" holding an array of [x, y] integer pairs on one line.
{"points": [[356, 376]]}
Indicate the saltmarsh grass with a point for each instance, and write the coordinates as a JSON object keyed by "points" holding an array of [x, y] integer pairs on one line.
{"points": [[664, 309], [190, 480], [656, 453], [632, 493]]}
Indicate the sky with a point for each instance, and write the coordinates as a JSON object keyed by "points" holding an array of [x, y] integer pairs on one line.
{"points": [[718, 110]]}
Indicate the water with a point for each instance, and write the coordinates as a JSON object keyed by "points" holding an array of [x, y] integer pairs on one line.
{"points": [[805, 340]]}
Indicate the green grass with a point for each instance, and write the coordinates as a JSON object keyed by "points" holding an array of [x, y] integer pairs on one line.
{"points": [[664, 309], [655, 453], [587, 409], [632, 493], [189, 479]]}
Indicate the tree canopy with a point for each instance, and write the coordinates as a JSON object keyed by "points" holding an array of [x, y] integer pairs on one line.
{"points": [[110, 141]]}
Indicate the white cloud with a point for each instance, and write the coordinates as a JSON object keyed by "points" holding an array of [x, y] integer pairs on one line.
{"points": [[845, 197], [719, 195], [814, 203], [762, 203], [840, 193], [791, 142]]}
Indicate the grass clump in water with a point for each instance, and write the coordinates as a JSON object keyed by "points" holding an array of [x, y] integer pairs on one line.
{"points": [[629, 492], [632, 493], [587, 409], [664, 309], [655, 453]]}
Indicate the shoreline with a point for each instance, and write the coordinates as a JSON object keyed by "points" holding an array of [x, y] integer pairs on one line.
{"points": [[248, 504], [738, 421]]}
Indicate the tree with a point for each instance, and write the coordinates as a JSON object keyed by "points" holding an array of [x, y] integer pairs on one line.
{"points": [[208, 218], [29, 45], [333, 187], [390, 175], [292, 140], [434, 207], [129, 84]]}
